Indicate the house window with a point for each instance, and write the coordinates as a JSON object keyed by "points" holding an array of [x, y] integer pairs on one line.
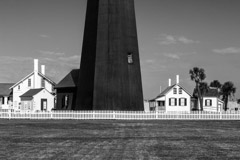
{"points": [[208, 102], [180, 90], [172, 101], [43, 83], [183, 102], [29, 82], [161, 103], [130, 58], [19, 87], [174, 90], [65, 101], [19, 105]]}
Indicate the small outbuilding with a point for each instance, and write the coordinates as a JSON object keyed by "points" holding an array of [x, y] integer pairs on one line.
{"points": [[212, 101], [66, 91]]}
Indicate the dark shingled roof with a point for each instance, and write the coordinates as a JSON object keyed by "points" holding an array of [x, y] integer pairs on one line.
{"points": [[212, 92], [70, 80], [4, 89], [31, 92]]}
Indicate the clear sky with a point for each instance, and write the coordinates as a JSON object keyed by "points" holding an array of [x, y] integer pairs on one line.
{"points": [[174, 36]]}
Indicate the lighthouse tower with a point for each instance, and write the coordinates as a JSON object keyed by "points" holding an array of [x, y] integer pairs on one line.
{"points": [[110, 75]]}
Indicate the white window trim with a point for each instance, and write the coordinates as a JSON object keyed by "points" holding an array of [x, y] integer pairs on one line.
{"points": [[172, 100], [182, 100], [208, 102]]}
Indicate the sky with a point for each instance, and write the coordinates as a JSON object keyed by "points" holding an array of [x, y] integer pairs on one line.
{"points": [[174, 36]]}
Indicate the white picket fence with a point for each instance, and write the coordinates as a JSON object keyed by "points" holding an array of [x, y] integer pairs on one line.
{"points": [[120, 115]]}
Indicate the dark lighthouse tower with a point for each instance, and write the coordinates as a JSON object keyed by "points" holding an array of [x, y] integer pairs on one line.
{"points": [[109, 75]]}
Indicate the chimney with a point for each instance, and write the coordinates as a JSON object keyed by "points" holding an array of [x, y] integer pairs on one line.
{"points": [[35, 65], [177, 79], [43, 69], [169, 82]]}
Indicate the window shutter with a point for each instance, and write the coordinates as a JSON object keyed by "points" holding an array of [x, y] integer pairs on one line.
{"points": [[210, 102], [179, 101], [169, 101], [175, 101], [185, 101]]}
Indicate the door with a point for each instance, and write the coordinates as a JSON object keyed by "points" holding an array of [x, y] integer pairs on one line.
{"points": [[43, 104]]}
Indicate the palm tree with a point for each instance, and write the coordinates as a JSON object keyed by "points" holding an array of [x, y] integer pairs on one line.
{"points": [[228, 89], [216, 84], [204, 88], [238, 101], [198, 75]]}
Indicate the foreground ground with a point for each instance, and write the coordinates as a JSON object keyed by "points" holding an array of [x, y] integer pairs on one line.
{"points": [[72, 139]]}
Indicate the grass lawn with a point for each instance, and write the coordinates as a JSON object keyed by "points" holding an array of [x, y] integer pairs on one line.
{"points": [[79, 139]]}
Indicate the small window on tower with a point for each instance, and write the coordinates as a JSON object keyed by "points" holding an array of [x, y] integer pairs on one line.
{"points": [[130, 58]]}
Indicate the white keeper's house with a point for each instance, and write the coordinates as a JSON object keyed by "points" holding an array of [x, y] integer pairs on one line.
{"points": [[174, 98], [35, 92]]}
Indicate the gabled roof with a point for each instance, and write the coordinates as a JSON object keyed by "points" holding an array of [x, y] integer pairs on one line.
{"points": [[70, 80], [26, 77], [32, 92], [4, 89], [168, 89]]}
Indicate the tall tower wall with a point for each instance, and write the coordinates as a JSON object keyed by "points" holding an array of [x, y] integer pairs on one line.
{"points": [[110, 76]]}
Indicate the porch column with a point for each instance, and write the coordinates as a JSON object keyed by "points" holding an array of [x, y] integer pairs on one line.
{"points": [[5, 100]]}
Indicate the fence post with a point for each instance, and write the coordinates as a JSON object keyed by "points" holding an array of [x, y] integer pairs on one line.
{"points": [[94, 115], [9, 114], [114, 116], [221, 115], [51, 114]]}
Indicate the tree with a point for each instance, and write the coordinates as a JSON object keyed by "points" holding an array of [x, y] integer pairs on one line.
{"points": [[204, 88], [216, 84], [228, 89], [238, 101], [198, 75]]}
